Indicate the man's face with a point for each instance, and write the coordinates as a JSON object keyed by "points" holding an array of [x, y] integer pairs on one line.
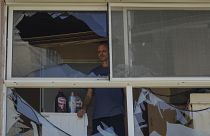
{"points": [[103, 53]]}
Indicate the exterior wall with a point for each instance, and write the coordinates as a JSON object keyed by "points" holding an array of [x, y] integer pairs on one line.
{"points": [[1, 62]]}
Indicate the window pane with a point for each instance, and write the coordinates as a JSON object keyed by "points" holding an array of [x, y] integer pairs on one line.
{"points": [[39, 110], [56, 44], [171, 111], [118, 54], [162, 43]]}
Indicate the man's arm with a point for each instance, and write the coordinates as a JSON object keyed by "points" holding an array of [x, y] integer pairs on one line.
{"points": [[86, 103]]}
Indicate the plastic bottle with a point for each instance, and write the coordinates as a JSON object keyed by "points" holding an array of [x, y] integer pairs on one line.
{"points": [[72, 103], [60, 102], [78, 102]]}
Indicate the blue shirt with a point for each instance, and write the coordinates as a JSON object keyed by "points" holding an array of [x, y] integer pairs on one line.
{"points": [[108, 101]]}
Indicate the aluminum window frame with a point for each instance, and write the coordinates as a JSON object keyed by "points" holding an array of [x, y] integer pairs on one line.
{"points": [[45, 7], [122, 82], [128, 83], [4, 88], [158, 81], [11, 82]]}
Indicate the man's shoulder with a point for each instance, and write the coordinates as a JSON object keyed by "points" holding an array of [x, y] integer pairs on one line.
{"points": [[96, 69], [100, 71]]}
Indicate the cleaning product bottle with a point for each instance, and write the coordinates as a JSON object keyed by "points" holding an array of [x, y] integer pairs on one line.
{"points": [[72, 103], [60, 102], [78, 102]]}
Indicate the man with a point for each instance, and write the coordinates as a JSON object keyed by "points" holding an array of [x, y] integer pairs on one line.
{"points": [[108, 105]]}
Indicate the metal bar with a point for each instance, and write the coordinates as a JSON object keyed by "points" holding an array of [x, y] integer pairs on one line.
{"points": [[129, 96]]}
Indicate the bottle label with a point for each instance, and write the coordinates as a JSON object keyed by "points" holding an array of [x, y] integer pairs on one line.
{"points": [[78, 104], [61, 103]]}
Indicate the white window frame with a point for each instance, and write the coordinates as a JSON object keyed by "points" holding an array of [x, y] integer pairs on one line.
{"points": [[45, 7], [12, 82], [128, 83], [153, 81], [76, 82], [4, 88]]}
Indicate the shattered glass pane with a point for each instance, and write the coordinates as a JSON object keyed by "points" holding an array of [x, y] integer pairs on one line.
{"points": [[105, 131], [23, 120], [165, 119], [57, 43]]}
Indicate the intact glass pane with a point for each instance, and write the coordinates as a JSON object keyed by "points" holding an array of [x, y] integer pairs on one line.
{"points": [[57, 43], [162, 43]]}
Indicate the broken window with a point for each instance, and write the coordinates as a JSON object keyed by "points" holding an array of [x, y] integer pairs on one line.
{"points": [[171, 112], [56, 43], [157, 112], [49, 111], [24, 120], [145, 43]]}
